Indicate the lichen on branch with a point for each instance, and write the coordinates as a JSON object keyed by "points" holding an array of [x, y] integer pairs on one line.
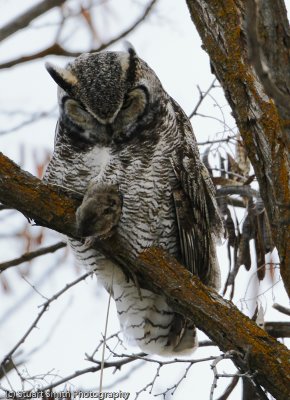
{"points": [[222, 28], [255, 352]]}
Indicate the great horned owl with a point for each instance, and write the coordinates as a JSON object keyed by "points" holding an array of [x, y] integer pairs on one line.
{"points": [[119, 129]]}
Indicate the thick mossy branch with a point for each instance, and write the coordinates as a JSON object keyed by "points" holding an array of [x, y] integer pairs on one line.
{"points": [[46, 205], [256, 351], [222, 27]]}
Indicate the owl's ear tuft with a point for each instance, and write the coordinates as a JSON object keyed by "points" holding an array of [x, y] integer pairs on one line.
{"points": [[133, 61], [64, 78], [130, 48]]}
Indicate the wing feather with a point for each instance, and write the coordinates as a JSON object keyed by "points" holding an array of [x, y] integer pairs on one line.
{"points": [[198, 218]]}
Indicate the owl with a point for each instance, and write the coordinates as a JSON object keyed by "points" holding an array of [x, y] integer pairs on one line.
{"points": [[129, 148]]}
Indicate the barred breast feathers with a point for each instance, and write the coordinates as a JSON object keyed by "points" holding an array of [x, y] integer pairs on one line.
{"points": [[118, 127]]}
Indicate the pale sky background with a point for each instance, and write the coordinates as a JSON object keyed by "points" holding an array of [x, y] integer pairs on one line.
{"points": [[73, 326]]}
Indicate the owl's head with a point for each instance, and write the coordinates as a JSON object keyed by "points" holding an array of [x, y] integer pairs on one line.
{"points": [[107, 96]]}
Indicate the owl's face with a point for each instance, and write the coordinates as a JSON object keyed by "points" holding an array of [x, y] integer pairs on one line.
{"points": [[105, 97]]}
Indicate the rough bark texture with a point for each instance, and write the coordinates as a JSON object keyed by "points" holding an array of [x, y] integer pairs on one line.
{"points": [[221, 25], [255, 351], [269, 50], [46, 205]]}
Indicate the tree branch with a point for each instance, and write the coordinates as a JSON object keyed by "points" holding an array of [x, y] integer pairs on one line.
{"points": [[282, 309], [229, 388], [221, 25], [278, 329], [242, 190], [255, 350], [202, 96], [268, 49], [23, 20], [58, 50], [31, 255], [22, 191], [45, 307]]}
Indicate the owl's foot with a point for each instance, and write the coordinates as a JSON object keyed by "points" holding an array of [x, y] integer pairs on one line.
{"points": [[64, 190], [182, 337], [100, 211]]}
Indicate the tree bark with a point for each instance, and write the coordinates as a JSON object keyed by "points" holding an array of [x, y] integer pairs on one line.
{"points": [[222, 28], [46, 205], [255, 351]]}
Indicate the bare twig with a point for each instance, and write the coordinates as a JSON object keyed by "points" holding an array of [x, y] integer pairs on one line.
{"points": [[222, 140], [229, 388], [282, 309], [45, 307], [31, 255], [160, 364], [206, 343], [9, 366], [172, 389], [145, 357], [221, 121], [32, 119], [228, 355], [105, 334], [24, 19], [278, 329], [17, 306], [202, 96], [231, 173], [115, 364], [50, 333], [242, 190], [58, 50]]}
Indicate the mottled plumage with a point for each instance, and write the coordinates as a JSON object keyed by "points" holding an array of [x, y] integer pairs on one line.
{"points": [[119, 128]]}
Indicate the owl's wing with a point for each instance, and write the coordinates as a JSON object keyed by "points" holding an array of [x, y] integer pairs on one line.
{"points": [[198, 218]]}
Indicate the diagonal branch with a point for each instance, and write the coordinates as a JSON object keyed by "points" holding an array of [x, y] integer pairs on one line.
{"points": [[22, 191], [58, 50], [255, 351], [45, 307], [23, 20], [282, 309], [31, 255], [229, 388]]}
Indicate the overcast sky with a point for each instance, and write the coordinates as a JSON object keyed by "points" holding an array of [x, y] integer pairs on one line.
{"points": [[73, 326]]}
